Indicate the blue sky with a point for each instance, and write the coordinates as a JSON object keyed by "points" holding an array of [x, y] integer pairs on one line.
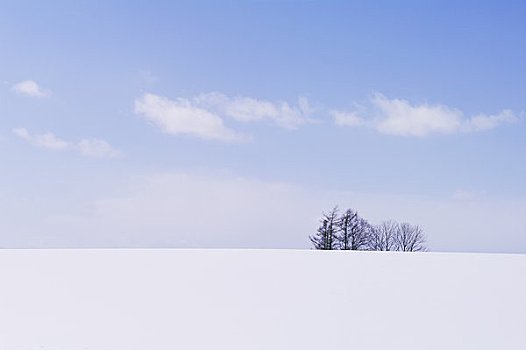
{"points": [[125, 123]]}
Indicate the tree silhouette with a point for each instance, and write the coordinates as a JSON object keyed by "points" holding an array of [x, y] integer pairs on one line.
{"points": [[383, 236], [353, 231], [324, 239], [410, 238]]}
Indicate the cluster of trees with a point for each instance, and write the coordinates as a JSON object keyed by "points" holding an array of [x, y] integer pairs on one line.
{"points": [[349, 231]]}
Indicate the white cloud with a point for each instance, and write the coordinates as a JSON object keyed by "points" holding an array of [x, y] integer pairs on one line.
{"points": [[204, 115], [189, 210], [347, 118], [176, 209], [248, 109], [47, 140], [30, 88], [486, 122], [181, 116], [87, 147], [400, 117], [97, 149]]}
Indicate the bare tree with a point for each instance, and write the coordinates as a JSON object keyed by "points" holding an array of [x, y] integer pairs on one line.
{"points": [[353, 231], [410, 238], [383, 236], [325, 238]]}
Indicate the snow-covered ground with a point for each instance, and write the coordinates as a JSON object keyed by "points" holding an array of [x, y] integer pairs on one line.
{"points": [[260, 299]]}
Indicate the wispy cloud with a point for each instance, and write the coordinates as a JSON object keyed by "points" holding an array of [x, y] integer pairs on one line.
{"points": [[171, 206], [181, 116], [400, 117], [94, 148], [483, 122], [30, 88], [204, 115], [47, 140], [347, 118], [248, 109]]}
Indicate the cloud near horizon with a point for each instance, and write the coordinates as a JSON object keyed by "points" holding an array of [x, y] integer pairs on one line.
{"points": [[94, 148], [30, 88], [218, 210], [401, 118]]}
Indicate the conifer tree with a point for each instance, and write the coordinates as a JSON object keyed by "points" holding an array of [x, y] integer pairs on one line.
{"points": [[353, 231], [325, 238]]}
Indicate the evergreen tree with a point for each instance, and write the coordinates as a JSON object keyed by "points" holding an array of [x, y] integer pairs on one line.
{"points": [[353, 231], [325, 238]]}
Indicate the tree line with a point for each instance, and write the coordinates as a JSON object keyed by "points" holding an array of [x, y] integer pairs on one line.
{"points": [[349, 231]]}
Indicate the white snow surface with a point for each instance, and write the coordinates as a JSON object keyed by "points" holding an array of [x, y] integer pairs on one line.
{"points": [[260, 299]]}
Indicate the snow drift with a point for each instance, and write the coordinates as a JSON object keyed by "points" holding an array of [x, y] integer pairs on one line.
{"points": [[260, 299]]}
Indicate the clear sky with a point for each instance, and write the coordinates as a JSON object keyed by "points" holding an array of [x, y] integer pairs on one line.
{"points": [[235, 124]]}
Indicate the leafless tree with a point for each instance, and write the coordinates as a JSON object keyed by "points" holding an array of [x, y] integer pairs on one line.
{"points": [[410, 238], [353, 231], [383, 236], [325, 238]]}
